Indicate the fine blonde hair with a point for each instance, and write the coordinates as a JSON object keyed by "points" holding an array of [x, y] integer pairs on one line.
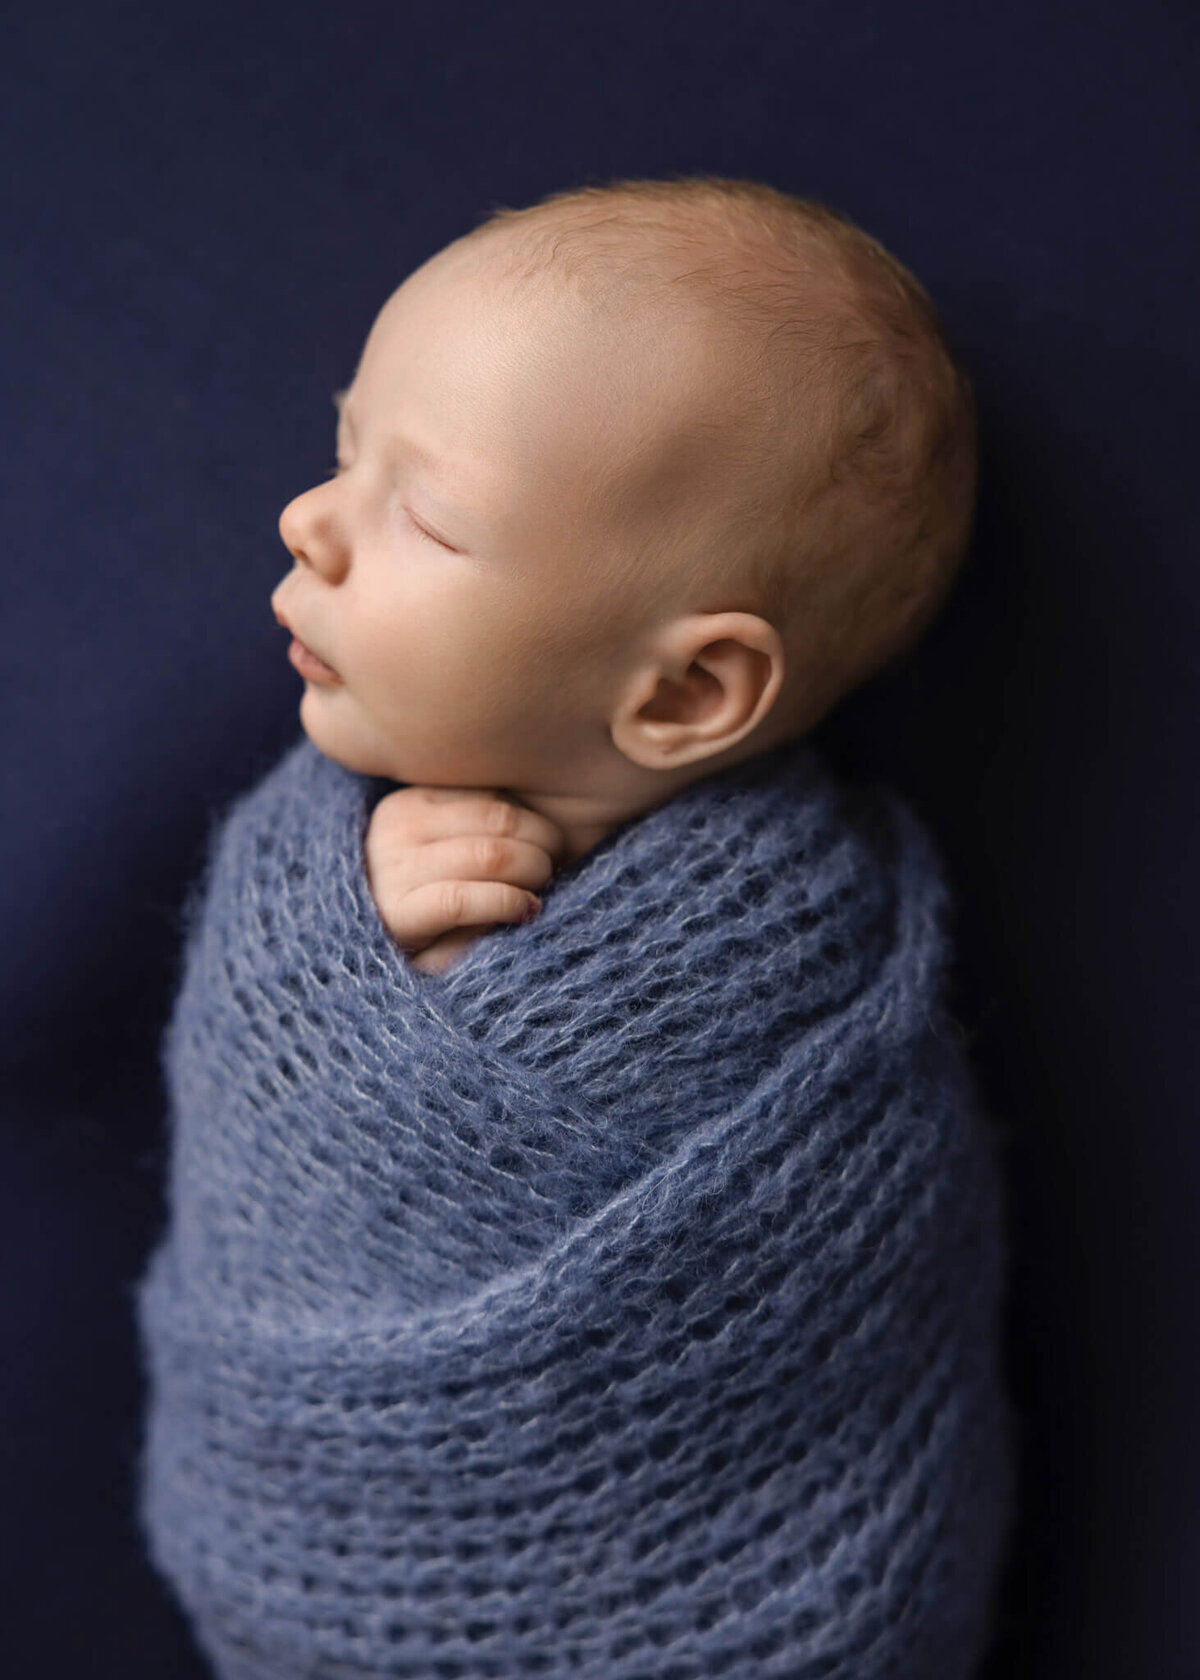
{"points": [[857, 472]]}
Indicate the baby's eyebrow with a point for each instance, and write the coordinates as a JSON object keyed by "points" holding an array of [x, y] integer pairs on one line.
{"points": [[438, 468]]}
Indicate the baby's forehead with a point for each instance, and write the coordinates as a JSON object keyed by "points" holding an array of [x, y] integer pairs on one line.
{"points": [[678, 378], [632, 343]]}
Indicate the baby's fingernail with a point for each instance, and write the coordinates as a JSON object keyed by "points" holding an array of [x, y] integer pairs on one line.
{"points": [[534, 905]]}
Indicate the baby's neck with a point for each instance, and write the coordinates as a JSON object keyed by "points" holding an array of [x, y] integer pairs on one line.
{"points": [[586, 819], [584, 822]]}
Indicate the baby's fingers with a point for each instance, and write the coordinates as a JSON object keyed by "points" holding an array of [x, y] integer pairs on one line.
{"points": [[433, 909]]}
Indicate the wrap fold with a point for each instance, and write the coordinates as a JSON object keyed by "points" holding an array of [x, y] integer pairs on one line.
{"points": [[622, 1302]]}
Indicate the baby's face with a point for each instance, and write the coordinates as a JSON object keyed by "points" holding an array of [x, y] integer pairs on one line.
{"points": [[495, 455]]}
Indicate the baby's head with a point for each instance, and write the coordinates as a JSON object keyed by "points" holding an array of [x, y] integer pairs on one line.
{"points": [[634, 484]]}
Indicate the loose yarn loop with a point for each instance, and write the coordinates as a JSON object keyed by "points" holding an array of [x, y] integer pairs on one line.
{"points": [[621, 1303]]}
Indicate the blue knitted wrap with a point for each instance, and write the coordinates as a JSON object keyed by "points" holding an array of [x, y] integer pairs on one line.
{"points": [[622, 1303]]}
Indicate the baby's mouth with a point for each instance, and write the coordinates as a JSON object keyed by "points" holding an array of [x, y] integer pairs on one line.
{"points": [[310, 664]]}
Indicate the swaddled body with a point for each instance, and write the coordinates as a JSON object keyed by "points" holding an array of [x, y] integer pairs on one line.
{"points": [[621, 1301], [620, 1304]]}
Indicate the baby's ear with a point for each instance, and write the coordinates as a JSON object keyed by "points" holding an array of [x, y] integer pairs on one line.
{"points": [[707, 682]]}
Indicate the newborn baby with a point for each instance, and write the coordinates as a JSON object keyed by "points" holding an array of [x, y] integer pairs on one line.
{"points": [[616, 1299], [631, 486]]}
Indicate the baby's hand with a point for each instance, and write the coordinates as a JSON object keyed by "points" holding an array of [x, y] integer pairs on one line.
{"points": [[446, 864]]}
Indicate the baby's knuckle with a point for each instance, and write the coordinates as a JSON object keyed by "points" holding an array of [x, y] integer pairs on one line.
{"points": [[501, 818], [492, 855], [453, 901]]}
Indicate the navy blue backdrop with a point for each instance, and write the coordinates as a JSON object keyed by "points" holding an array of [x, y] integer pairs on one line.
{"points": [[203, 208]]}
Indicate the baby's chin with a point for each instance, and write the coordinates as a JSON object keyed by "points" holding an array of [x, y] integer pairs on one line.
{"points": [[353, 749], [373, 753]]}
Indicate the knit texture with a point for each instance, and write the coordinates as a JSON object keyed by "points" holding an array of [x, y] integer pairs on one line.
{"points": [[620, 1304]]}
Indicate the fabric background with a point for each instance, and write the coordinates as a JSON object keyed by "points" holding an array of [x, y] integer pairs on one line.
{"points": [[202, 209]]}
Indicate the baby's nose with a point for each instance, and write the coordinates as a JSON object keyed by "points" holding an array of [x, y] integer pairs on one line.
{"points": [[311, 533], [291, 526]]}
